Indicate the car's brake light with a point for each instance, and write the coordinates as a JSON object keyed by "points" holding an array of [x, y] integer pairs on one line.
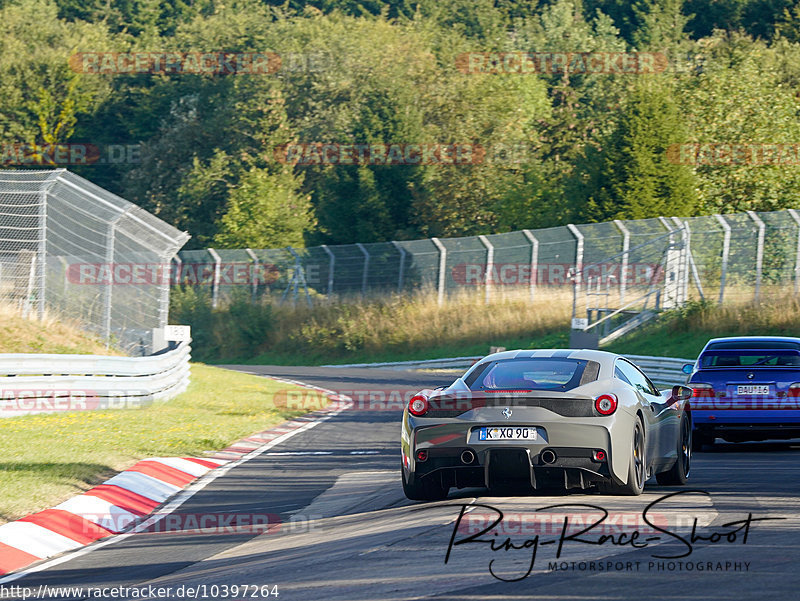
{"points": [[606, 404], [794, 389], [700, 391], [418, 405]]}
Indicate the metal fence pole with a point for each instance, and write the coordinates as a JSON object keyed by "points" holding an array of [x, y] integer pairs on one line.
{"points": [[442, 266], [110, 236], [796, 218], [41, 259], [626, 247], [487, 284], [364, 275], [534, 261], [163, 293], [578, 256], [253, 272], [726, 250], [402, 267], [759, 251], [690, 258], [215, 283], [331, 264]]}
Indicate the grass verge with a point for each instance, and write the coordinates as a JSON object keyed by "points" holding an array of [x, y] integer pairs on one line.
{"points": [[393, 328], [45, 459], [684, 332], [48, 335]]}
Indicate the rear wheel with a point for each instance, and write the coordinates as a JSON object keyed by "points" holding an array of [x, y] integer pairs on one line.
{"points": [[424, 489], [637, 467], [679, 472]]}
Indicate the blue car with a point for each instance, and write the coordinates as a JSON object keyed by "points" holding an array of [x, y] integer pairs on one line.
{"points": [[745, 388]]}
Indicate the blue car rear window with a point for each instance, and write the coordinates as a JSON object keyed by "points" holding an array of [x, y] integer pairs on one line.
{"points": [[750, 358], [760, 345]]}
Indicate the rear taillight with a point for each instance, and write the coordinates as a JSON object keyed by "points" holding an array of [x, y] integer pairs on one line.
{"points": [[794, 389], [701, 391], [606, 404], [418, 405]]}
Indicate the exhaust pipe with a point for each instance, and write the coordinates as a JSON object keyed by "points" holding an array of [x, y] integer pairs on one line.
{"points": [[548, 456], [467, 457]]}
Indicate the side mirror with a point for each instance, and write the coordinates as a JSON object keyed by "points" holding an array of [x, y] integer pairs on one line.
{"points": [[680, 393], [688, 368]]}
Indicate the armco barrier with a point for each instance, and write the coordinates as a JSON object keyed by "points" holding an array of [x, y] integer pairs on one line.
{"points": [[665, 371], [45, 383]]}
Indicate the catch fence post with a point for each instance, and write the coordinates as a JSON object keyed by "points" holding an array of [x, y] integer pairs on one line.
{"points": [[442, 266]]}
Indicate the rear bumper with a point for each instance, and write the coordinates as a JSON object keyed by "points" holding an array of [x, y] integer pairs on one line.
{"points": [[748, 425], [572, 440], [746, 417], [497, 466]]}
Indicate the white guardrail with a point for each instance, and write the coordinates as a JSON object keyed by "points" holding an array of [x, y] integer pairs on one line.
{"points": [[665, 371], [45, 383]]}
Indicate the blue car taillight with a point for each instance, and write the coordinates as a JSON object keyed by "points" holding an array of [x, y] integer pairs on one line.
{"points": [[700, 391], [794, 390]]}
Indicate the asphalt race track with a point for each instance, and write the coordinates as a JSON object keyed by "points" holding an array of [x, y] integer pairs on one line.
{"points": [[347, 532]]}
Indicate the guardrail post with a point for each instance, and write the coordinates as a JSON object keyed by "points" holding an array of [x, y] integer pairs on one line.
{"points": [[442, 266], [726, 250], [626, 247], [578, 256], [487, 283], [796, 218], [364, 275], [253, 272], [331, 264], [534, 261], [215, 283], [759, 251], [401, 267]]}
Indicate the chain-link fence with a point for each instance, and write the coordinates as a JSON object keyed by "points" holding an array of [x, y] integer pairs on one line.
{"points": [[71, 248], [663, 261]]}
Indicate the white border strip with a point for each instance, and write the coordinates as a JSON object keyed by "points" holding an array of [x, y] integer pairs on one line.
{"points": [[189, 492]]}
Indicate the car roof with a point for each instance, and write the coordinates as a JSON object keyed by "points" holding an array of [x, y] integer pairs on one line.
{"points": [[753, 339], [604, 358]]}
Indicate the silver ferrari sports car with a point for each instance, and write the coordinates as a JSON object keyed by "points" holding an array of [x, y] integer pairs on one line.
{"points": [[546, 418]]}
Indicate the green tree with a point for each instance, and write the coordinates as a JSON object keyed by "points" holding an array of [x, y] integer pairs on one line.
{"points": [[634, 176], [265, 210]]}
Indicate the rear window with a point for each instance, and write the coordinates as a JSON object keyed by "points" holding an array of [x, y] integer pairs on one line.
{"points": [[750, 358], [760, 345], [555, 374]]}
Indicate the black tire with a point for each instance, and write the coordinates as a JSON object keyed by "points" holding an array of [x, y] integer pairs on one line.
{"points": [[424, 489], [701, 439], [679, 473], [637, 468]]}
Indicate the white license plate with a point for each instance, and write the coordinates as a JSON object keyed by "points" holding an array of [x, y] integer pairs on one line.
{"points": [[752, 389], [507, 433]]}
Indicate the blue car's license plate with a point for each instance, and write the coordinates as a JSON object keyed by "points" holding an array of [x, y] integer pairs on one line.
{"points": [[507, 433]]}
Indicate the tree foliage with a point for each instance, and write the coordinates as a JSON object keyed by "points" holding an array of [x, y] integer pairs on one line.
{"points": [[555, 146]]}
